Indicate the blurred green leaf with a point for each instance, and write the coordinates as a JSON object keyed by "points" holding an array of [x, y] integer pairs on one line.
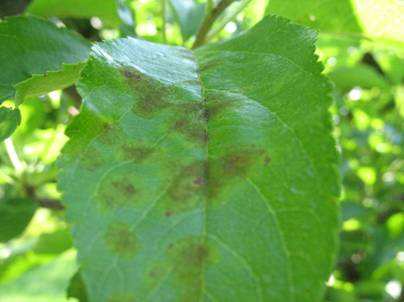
{"points": [[189, 15], [106, 10], [46, 283], [9, 120], [378, 19]]}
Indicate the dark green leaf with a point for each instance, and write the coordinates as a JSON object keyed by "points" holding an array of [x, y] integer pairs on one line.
{"points": [[37, 57]]}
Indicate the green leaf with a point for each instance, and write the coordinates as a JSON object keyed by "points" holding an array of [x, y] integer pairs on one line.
{"points": [[189, 15], [42, 284], [37, 57], [106, 10], [380, 19], [15, 216], [9, 120], [206, 175]]}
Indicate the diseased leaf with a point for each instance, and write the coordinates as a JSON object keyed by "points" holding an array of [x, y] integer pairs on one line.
{"points": [[189, 15], [206, 175], [37, 57], [106, 10], [9, 120], [15, 215]]}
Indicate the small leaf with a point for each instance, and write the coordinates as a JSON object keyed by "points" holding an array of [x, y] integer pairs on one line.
{"points": [[37, 57], [9, 120], [205, 175]]}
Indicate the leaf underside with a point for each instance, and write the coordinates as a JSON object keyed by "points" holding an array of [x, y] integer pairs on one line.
{"points": [[206, 175]]}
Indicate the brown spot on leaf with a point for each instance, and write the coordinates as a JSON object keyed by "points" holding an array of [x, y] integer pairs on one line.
{"points": [[192, 122], [189, 257], [135, 152], [91, 158], [151, 95], [267, 160], [234, 164], [187, 186], [121, 240], [117, 190]]}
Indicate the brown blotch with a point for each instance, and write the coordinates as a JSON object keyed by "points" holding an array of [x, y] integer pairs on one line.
{"points": [[194, 130], [225, 169], [186, 187], [193, 122], [189, 257], [117, 191], [151, 94], [121, 240], [215, 107], [135, 152], [91, 159], [267, 160]]}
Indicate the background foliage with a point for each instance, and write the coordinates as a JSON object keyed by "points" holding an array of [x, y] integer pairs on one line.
{"points": [[361, 46]]}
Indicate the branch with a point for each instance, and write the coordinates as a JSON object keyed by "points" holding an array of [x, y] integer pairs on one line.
{"points": [[48, 203], [207, 23]]}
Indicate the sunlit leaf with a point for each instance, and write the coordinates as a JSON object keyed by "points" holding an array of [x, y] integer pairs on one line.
{"points": [[205, 175]]}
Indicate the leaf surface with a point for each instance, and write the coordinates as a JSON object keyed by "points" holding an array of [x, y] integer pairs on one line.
{"points": [[37, 57], [206, 175]]}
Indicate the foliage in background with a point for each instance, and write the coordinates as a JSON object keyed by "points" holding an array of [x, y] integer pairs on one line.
{"points": [[363, 54]]}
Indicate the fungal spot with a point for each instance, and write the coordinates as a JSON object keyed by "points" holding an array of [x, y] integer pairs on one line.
{"points": [[124, 297], [267, 160], [117, 190], [193, 123], [132, 74], [149, 105], [135, 152], [91, 159], [121, 240], [109, 135], [187, 186], [215, 107], [189, 257], [232, 165]]}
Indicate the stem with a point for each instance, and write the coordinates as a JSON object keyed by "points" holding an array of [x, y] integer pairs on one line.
{"points": [[207, 23], [230, 18], [163, 16], [13, 156], [52, 204]]}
